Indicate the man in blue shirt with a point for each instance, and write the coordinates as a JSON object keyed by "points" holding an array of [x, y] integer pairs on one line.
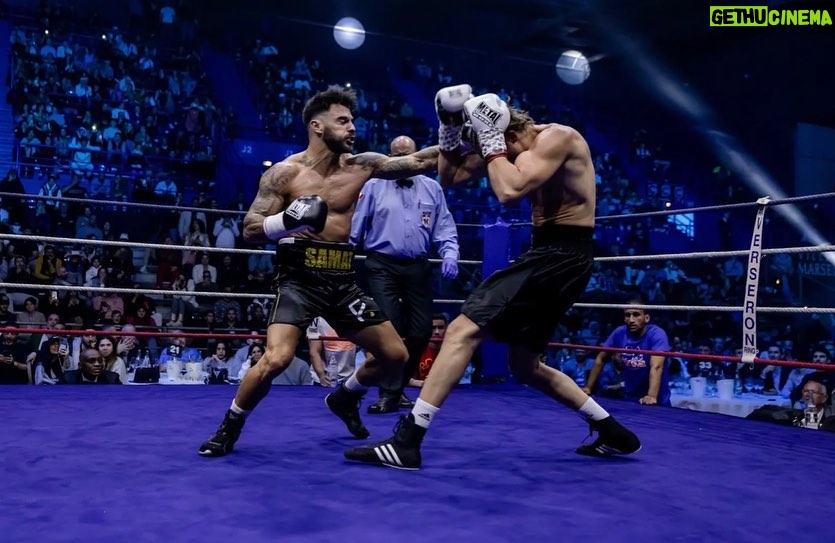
{"points": [[396, 225], [645, 377]]}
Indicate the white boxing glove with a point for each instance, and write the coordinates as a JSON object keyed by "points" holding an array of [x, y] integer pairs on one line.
{"points": [[449, 105], [489, 117]]}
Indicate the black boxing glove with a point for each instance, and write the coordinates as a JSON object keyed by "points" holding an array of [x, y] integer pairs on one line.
{"points": [[306, 213]]}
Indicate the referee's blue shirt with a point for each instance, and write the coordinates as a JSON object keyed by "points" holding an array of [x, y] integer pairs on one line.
{"points": [[404, 221]]}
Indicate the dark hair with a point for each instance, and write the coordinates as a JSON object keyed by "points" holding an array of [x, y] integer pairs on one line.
{"points": [[636, 301], [225, 346], [51, 365], [254, 345], [323, 100], [819, 348]]}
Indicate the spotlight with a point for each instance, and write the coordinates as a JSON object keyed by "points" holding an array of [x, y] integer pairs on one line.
{"points": [[349, 33], [267, 163], [573, 67]]}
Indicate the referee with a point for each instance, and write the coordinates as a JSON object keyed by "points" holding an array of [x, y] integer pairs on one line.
{"points": [[396, 223]]}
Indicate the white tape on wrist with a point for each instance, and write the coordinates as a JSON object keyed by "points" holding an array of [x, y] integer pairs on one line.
{"points": [[274, 226]]}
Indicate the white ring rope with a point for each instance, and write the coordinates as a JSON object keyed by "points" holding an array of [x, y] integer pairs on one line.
{"points": [[119, 290], [189, 293], [110, 203], [717, 308], [116, 203], [627, 258], [667, 256], [782, 201], [159, 207], [196, 248], [716, 254], [625, 216]]}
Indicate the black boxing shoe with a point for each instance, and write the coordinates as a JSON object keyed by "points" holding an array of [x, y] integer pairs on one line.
{"points": [[385, 404], [405, 402], [401, 451], [346, 405], [223, 441], [612, 439]]}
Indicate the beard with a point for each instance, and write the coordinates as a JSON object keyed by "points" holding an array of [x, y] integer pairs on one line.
{"points": [[337, 145]]}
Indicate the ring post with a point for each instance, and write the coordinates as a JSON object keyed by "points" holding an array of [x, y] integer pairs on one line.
{"points": [[749, 309], [496, 257]]}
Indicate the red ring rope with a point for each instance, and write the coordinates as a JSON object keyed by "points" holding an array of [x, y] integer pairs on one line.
{"points": [[666, 354], [696, 356]]}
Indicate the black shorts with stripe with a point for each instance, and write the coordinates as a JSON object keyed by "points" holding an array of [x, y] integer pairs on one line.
{"points": [[317, 279], [523, 303]]}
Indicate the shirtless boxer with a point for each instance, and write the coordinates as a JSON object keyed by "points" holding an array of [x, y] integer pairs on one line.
{"points": [[306, 202], [522, 304]]}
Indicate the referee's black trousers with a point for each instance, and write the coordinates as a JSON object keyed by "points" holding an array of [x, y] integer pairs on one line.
{"points": [[403, 290]]}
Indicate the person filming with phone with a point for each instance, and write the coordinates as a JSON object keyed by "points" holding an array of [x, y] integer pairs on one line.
{"points": [[50, 361]]}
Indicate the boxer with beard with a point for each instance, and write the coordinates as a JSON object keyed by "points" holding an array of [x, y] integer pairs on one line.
{"points": [[306, 203]]}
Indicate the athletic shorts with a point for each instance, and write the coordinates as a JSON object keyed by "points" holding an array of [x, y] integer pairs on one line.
{"points": [[317, 279], [523, 303]]}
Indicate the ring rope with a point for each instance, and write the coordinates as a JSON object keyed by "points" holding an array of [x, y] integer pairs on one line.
{"points": [[162, 292], [696, 356], [40, 286], [669, 354], [823, 248], [116, 203], [20, 329], [163, 207], [666, 354], [666, 256], [726, 308], [119, 290], [198, 248], [106, 243], [156, 334], [782, 201]]}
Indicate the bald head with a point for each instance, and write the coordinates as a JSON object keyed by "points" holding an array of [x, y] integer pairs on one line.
{"points": [[90, 363], [403, 145]]}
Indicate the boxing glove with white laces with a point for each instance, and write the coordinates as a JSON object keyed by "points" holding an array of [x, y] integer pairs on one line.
{"points": [[449, 105], [489, 116]]}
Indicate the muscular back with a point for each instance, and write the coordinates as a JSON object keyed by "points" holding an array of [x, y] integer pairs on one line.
{"points": [[568, 197]]}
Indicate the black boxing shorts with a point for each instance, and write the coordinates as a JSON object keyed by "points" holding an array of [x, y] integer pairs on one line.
{"points": [[523, 303], [317, 279]]}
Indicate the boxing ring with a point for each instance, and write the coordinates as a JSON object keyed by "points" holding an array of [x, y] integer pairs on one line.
{"points": [[121, 463]]}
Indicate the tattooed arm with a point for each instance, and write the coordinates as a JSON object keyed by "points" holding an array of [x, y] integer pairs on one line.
{"points": [[268, 201], [388, 167]]}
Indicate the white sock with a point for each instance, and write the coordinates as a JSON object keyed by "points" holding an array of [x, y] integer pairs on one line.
{"points": [[352, 384], [237, 410], [591, 410], [423, 413]]}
